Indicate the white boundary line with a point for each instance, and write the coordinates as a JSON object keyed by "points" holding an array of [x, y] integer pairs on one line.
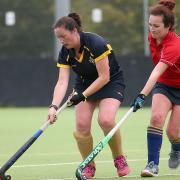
{"points": [[114, 177], [63, 153], [75, 163], [98, 162]]}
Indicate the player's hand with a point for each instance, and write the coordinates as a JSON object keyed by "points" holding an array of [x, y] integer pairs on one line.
{"points": [[75, 99], [52, 114], [138, 102]]}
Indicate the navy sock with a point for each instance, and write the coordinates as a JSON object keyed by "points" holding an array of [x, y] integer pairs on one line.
{"points": [[175, 144], [154, 142]]}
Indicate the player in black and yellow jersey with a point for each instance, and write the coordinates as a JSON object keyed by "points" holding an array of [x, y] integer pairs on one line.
{"points": [[99, 82]]}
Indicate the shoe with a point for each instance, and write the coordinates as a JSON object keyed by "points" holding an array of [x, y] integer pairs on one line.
{"points": [[89, 171], [151, 170], [174, 160], [122, 167]]}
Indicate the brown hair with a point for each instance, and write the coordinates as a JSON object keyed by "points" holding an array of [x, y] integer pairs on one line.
{"points": [[69, 22], [166, 13], [170, 4]]}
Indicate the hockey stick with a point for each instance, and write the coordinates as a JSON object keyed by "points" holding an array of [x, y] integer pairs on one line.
{"points": [[99, 147], [21, 150]]}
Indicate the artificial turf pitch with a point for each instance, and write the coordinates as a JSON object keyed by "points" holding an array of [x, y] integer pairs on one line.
{"points": [[54, 155]]}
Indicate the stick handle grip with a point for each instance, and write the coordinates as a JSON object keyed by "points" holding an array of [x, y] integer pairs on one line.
{"points": [[47, 123]]}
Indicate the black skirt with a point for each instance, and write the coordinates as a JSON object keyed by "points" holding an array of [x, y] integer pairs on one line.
{"points": [[114, 89], [172, 93]]}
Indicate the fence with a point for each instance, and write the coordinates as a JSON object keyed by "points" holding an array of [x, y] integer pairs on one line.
{"points": [[31, 82]]}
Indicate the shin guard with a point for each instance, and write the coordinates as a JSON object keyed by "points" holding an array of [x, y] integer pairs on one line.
{"points": [[115, 145], [154, 142], [84, 143]]}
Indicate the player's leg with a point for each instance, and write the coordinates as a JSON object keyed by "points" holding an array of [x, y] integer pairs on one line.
{"points": [[173, 133], [84, 113], [107, 111], [160, 108]]}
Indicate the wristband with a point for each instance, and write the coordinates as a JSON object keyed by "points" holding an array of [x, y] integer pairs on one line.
{"points": [[142, 96], [85, 97], [54, 106]]}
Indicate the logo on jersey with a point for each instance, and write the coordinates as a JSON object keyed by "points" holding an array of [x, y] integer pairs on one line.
{"points": [[73, 65], [91, 60]]}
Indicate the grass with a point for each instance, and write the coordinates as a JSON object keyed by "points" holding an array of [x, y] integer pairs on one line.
{"points": [[54, 156]]}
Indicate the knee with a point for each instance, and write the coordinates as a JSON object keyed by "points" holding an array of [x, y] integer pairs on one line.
{"points": [[106, 123], [83, 127], [157, 120], [82, 138], [172, 132]]}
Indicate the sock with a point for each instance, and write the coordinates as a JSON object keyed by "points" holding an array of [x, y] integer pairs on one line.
{"points": [[115, 145], [154, 140], [175, 144], [84, 143]]}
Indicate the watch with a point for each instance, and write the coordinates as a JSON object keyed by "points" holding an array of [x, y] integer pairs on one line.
{"points": [[54, 106]]}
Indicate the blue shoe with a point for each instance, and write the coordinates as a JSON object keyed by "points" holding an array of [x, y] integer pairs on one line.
{"points": [[174, 160], [150, 170]]}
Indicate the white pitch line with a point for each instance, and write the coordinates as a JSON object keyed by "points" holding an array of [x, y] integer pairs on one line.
{"points": [[74, 163], [115, 177], [64, 153]]}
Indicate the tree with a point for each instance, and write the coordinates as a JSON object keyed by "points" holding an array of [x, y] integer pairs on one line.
{"points": [[122, 22], [32, 34]]}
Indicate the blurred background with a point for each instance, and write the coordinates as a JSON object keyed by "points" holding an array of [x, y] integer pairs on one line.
{"points": [[28, 47]]}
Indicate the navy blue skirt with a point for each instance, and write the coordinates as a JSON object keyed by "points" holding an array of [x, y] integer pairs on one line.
{"points": [[114, 89], [172, 93]]}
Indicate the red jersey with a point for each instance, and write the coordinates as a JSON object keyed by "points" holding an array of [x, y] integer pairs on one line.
{"points": [[168, 52]]}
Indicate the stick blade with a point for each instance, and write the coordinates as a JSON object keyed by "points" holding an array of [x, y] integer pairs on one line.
{"points": [[5, 177], [79, 175]]}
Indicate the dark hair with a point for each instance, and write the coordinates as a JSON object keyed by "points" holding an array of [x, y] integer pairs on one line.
{"points": [[168, 15], [69, 22]]}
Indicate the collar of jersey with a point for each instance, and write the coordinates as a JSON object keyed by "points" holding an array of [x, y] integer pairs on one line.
{"points": [[81, 49], [167, 38]]}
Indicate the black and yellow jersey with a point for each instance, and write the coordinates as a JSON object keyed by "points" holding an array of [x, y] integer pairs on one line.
{"points": [[93, 49]]}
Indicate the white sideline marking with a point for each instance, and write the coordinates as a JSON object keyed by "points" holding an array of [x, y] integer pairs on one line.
{"points": [[114, 177], [98, 162], [74, 163], [65, 153]]}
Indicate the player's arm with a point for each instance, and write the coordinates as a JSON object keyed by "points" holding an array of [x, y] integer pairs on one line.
{"points": [[61, 86], [159, 69], [103, 78], [59, 93], [101, 50], [103, 70]]}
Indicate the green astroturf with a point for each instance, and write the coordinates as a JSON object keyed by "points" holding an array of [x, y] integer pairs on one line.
{"points": [[54, 155]]}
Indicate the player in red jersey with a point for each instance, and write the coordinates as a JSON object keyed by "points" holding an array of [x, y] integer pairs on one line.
{"points": [[164, 80]]}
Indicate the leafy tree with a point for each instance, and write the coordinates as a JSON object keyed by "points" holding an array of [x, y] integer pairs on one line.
{"points": [[32, 34], [122, 24]]}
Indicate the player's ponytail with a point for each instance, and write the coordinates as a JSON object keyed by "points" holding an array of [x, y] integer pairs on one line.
{"points": [[69, 22], [170, 4], [76, 18]]}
